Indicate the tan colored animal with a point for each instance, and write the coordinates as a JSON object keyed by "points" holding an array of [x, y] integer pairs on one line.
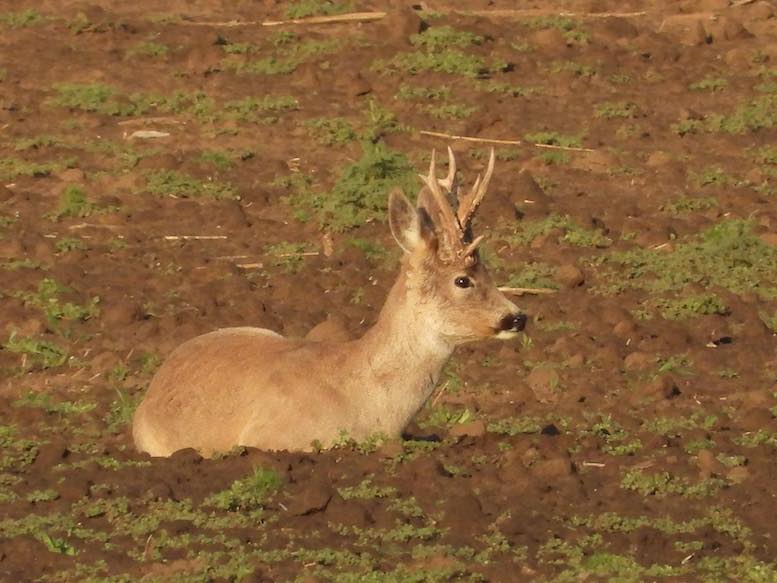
{"points": [[253, 387]]}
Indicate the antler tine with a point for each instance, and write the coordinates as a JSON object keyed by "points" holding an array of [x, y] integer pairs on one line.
{"points": [[448, 181], [470, 249], [447, 216], [468, 207]]}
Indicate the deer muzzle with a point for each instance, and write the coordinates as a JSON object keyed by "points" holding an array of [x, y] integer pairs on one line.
{"points": [[512, 323]]}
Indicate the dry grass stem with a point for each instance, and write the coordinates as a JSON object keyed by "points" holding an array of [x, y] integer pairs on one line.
{"points": [[337, 18], [148, 120], [349, 17], [439, 394], [530, 12], [301, 254], [258, 265], [194, 237], [501, 142], [520, 291]]}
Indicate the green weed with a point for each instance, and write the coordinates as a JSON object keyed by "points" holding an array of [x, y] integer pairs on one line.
{"points": [[440, 52], [57, 545], [620, 78], [503, 88], [374, 252], [711, 175], [675, 426], [46, 298], [554, 158], [22, 19], [379, 122], [99, 98], [690, 306], [712, 84], [179, 185], [149, 362], [409, 93], [249, 493], [11, 168], [449, 111], [616, 109], [39, 353], [516, 425], [440, 38], [360, 193], [288, 256], [263, 110], [36, 143], [765, 155], [47, 495], [577, 69], [690, 204], [615, 438], [554, 139], [289, 57], [68, 244], [25, 263], [757, 114], [305, 8], [533, 275], [524, 233], [769, 320], [148, 49], [74, 204], [727, 255], [121, 411], [663, 484], [751, 439], [442, 416], [44, 401], [450, 61], [366, 490], [221, 159], [570, 27], [331, 131]]}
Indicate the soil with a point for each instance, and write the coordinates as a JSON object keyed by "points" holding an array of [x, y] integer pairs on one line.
{"points": [[690, 403]]}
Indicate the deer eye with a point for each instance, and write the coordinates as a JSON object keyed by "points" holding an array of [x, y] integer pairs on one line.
{"points": [[463, 281]]}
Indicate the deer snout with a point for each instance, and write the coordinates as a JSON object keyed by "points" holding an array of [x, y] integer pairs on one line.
{"points": [[513, 322]]}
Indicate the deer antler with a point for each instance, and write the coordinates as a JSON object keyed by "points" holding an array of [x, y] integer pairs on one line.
{"points": [[455, 224], [449, 181], [469, 204], [448, 221]]}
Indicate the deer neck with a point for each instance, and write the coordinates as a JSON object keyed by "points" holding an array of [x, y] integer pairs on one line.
{"points": [[403, 357]]}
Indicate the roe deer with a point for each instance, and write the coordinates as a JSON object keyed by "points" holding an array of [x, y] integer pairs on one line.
{"points": [[253, 387]]}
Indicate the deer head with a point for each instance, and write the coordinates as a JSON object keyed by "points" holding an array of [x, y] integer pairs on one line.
{"points": [[449, 288]]}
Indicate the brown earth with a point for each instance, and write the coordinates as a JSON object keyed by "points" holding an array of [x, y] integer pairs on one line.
{"points": [[597, 396]]}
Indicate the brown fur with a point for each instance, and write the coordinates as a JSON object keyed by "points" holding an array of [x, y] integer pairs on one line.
{"points": [[248, 386]]}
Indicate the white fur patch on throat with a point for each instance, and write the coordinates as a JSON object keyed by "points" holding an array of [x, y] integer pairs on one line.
{"points": [[506, 334]]}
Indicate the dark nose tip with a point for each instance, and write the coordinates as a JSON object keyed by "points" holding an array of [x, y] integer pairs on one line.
{"points": [[513, 322]]}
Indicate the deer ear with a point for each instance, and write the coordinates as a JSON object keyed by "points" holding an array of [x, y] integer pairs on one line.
{"points": [[404, 221]]}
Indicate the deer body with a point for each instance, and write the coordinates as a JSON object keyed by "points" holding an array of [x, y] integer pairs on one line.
{"points": [[252, 387]]}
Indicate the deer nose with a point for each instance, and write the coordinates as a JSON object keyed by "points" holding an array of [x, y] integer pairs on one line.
{"points": [[513, 323]]}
